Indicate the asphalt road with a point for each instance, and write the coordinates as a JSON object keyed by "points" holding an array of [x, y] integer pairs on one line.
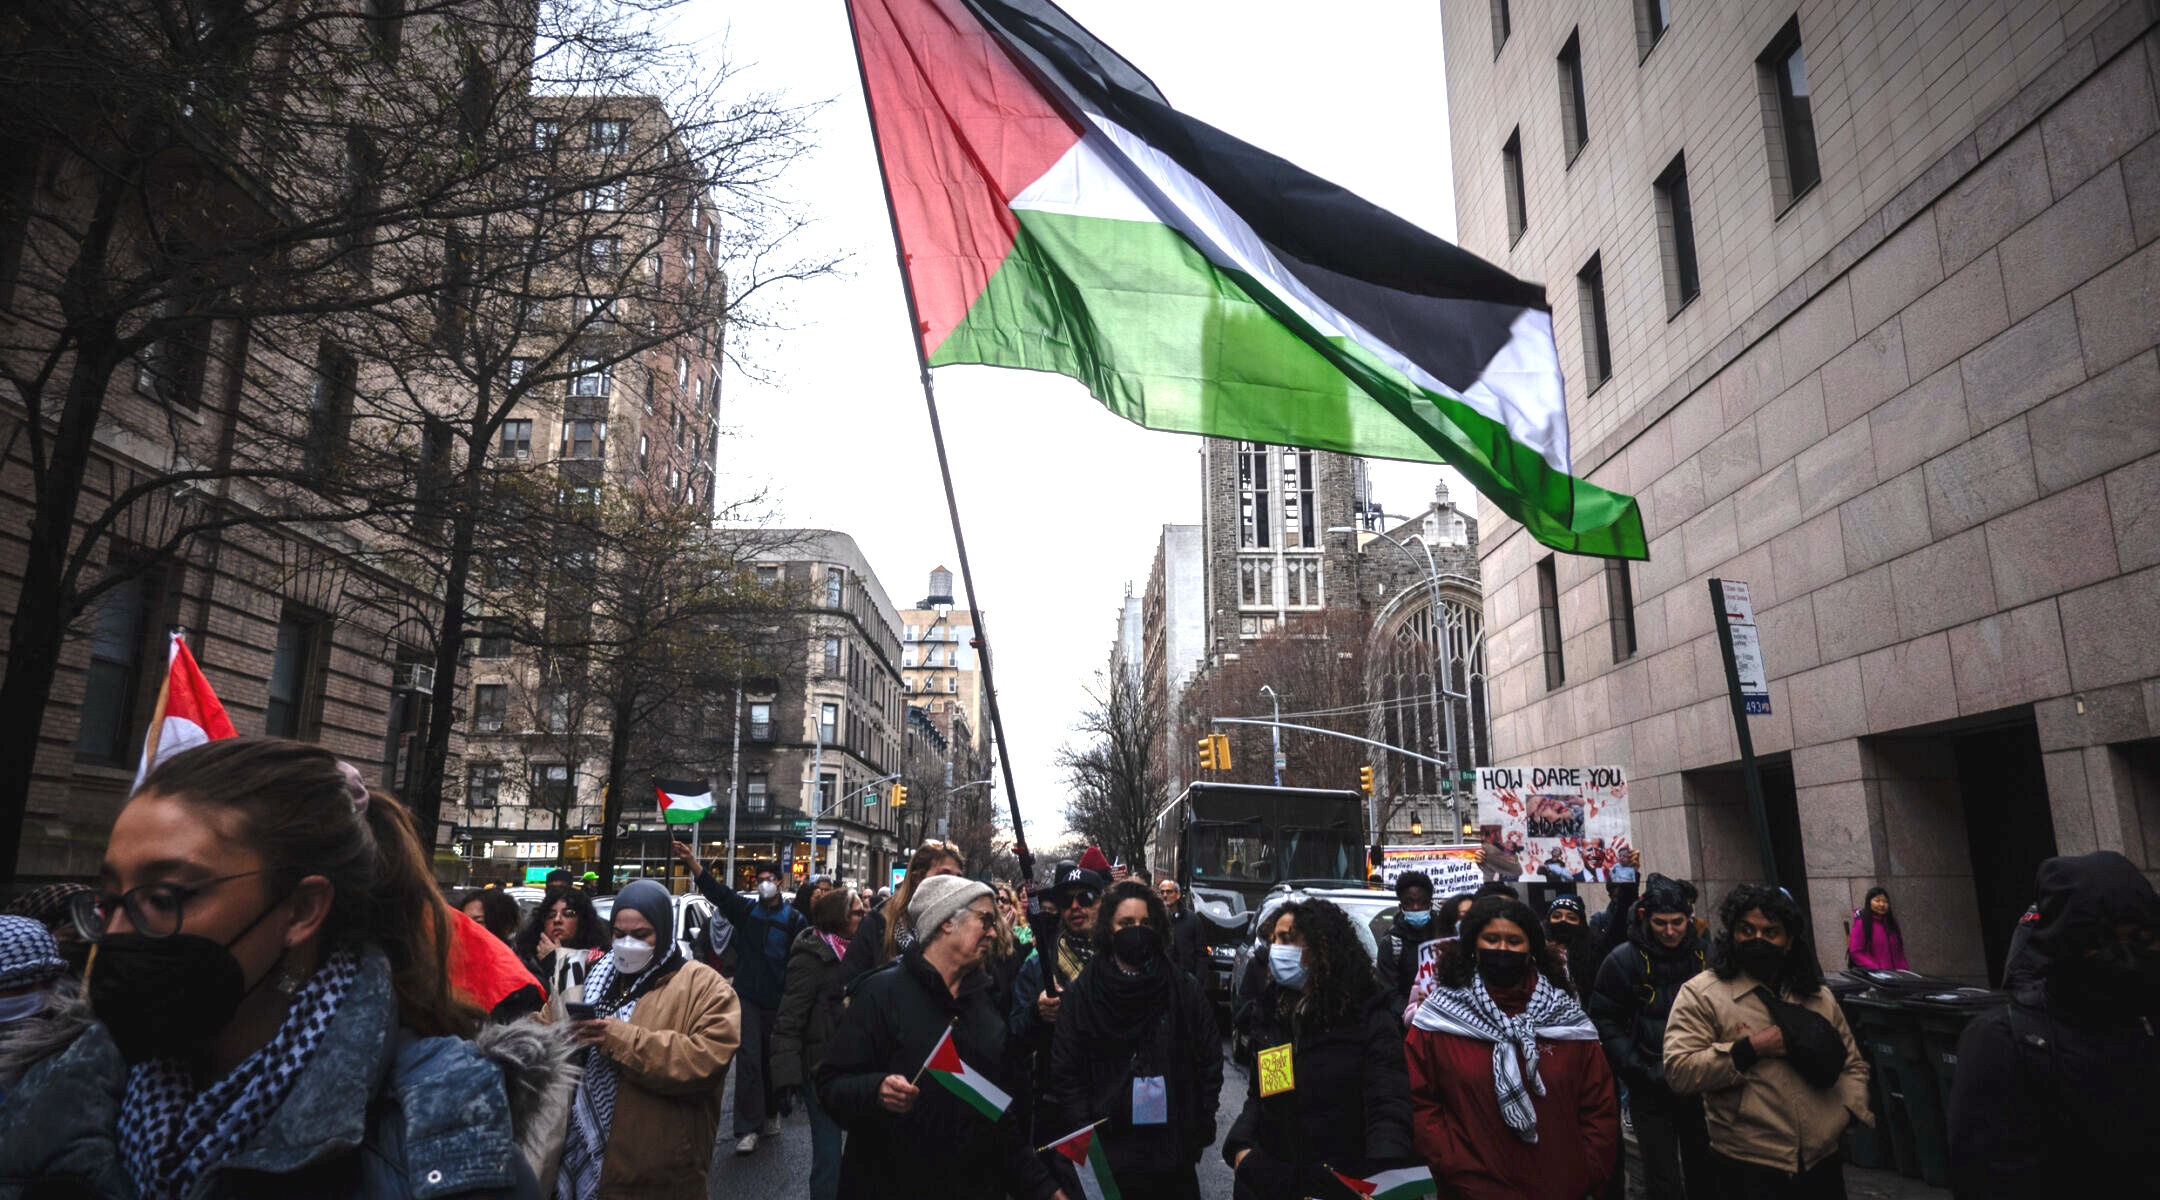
{"points": [[779, 1169]]}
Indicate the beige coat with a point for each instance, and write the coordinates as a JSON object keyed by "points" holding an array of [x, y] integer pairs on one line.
{"points": [[1768, 1114], [672, 1056]]}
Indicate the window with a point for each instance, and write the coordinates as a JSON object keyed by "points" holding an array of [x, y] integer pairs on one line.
{"points": [[516, 439], [682, 371], [835, 581], [644, 450], [584, 439], [1501, 25], [1620, 608], [105, 730], [385, 22], [952, 683], [828, 723], [608, 197], [1297, 498], [590, 377], [768, 576], [516, 370], [551, 789], [1574, 104], [757, 793], [832, 656], [1590, 304], [1253, 503], [761, 727], [454, 306], [608, 137], [357, 195], [648, 392], [491, 643], [170, 370], [1676, 231], [597, 310], [697, 393], [330, 403], [483, 785], [476, 97], [602, 253], [828, 789], [1788, 114], [293, 694], [1518, 213], [490, 703], [1548, 593], [547, 134], [556, 707], [537, 190], [1651, 19]]}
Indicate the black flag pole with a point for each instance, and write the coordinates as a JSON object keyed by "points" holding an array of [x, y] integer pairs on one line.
{"points": [[1003, 749]]}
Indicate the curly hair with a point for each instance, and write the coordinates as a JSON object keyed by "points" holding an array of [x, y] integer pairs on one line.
{"points": [[1803, 971], [498, 912], [1450, 909], [592, 932], [1339, 974], [1458, 959], [1130, 889]]}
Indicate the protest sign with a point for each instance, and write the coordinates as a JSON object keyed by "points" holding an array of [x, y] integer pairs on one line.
{"points": [[1452, 869], [1572, 817]]}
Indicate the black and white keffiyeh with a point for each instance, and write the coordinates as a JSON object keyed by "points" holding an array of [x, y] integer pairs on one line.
{"points": [[592, 1110], [1469, 1012], [170, 1134]]}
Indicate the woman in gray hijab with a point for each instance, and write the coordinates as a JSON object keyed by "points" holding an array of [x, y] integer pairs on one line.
{"points": [[661, 1031]]}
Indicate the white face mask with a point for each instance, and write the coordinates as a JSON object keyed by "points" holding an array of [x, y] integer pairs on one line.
{"points": [[632, 955], [767, 889], [23, 1007], [1287, 965]]}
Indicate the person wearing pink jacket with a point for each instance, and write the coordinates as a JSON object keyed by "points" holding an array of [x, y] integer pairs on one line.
{"points": [[1876, 942]]}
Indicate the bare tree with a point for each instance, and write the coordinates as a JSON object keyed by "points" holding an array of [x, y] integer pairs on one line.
{"points": [[1116, 776]]}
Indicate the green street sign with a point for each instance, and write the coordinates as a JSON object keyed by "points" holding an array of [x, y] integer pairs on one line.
{"points": [[1469, 778]]}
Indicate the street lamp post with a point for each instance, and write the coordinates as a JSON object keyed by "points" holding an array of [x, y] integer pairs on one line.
{"points": [[1276, 732]]}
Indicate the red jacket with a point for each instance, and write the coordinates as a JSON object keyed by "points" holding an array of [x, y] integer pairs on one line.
{"points": [[1456, 1120]]}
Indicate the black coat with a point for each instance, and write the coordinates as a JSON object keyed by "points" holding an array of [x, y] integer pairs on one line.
{"points": [[1397, 966], [942, 1147], [1351, 1103], [1091, 1076], [1629, 1003], [809, 1009], [1188, 944]]}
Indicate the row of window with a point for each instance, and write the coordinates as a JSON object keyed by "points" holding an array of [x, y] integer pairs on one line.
{"points": [[1794, 168], [1619, 619]]}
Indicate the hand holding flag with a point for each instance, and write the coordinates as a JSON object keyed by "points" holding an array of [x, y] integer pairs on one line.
{"points": [[947, 1067]]}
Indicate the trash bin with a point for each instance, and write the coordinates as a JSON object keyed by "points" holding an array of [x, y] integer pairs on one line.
{"points": [[1864, 1146], [1942, 1017], [1910, 1109]]}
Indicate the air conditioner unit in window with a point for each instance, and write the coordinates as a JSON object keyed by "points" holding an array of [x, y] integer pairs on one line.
{"points": [[414, 677]]}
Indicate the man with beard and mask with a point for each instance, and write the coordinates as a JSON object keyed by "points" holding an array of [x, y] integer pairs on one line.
{"points": [[1135, 1045], [1567, 927], [765, 930], [1629, 1003], [1764, 1044], [2053, 1093], [1075, 894]]}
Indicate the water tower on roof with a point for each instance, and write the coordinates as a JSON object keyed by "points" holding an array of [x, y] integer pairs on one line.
{"points": [[940, 589]]}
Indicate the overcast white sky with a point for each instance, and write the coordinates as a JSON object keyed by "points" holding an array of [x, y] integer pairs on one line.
{"points": [[1062, 502]]}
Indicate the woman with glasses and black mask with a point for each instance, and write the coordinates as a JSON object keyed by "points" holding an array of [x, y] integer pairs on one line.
{"points": [[1136, 1045], [273, 1013]]}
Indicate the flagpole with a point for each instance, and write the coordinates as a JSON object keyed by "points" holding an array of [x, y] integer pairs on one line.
{"points": [[1068, 1137], [933, 1052], [952, 504]]}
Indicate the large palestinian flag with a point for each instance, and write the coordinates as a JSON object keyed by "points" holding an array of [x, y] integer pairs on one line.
{"points": [[1055, 213], [683, 801]]}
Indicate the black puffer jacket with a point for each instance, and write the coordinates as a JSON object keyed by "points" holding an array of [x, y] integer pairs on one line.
{"points": [[809, 1009], [1092, 1069], [942, 1147], [1633, 995], [1351, 1103], [2053, 1094]]}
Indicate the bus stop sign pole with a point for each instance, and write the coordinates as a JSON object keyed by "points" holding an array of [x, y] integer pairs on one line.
{"points": [[1750, 773]]}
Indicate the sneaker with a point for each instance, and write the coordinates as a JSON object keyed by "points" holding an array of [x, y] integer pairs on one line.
{"points": [[771, 1128], [746, 1143]]}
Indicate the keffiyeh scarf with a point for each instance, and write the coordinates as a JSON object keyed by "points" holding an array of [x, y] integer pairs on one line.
{"points": [[592, 1111], [1469, 1012], [171, 1135]]}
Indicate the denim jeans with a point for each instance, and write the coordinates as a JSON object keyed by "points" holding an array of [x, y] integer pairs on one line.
{"points": [[825, 1138]]}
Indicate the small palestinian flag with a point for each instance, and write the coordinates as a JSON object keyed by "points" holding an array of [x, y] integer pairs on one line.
{"points": [[947, 1067], [1403, 1183], [1055, 213], [1085, 1151], [684, 801], [187, 714]]}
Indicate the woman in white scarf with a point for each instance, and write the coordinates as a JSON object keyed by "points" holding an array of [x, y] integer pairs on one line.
{"points": [[1510, 1093]]}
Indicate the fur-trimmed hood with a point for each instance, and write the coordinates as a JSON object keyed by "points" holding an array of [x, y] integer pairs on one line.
{"points": [[540, 1078], [29, 1042]]}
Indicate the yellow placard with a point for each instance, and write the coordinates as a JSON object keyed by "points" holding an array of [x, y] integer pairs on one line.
{"points": [[1275, 1074]]}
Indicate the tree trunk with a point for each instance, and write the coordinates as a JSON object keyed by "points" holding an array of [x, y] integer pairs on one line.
{"points": [[41, 625], [427, 788], [618, 763]]}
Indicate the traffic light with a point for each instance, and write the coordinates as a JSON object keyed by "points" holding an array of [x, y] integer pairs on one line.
{"points": [[1364, 780], [1222, 750], [899, 795], [1207, 753]]}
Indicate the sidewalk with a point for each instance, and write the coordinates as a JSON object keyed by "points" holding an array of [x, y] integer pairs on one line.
{"points": [[1861, 1183]]}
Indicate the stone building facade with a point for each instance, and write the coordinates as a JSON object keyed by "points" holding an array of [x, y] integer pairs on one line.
{"points": [[1865, 298], [939, 669]]}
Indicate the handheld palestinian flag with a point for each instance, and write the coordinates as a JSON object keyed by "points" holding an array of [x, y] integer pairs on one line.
{"points": [[1056, 214], [187, 714], [1403, 1183], [947, 1067], [1085, 1151], [682, 801]]}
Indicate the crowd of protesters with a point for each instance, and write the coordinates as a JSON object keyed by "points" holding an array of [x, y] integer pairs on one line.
{"points": [[266, 994]]}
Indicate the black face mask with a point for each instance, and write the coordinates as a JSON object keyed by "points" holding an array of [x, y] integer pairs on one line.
{"points": [[1761, 958], [168, 996], [1502, 968], [1564, 933], [1136, 945], [2116, 974]]}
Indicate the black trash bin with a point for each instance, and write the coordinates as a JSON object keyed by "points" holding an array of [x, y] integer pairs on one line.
{"points": [[1942, 1017], [1910, 1107], [1864, 1146]]}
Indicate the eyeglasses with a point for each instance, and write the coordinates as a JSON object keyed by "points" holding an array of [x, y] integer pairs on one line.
{"points": [[989, 919], [154, 909], [1073, 899]]}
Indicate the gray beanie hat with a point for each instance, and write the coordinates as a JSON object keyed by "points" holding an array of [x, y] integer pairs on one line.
{"points": [[648, 898], [938, 897]]}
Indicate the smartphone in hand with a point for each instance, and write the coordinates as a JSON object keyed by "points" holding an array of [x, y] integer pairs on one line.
{"points": [[579, 1011]]}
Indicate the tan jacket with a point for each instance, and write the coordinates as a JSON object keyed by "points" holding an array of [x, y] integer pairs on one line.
{"points": [[672, 1057], [1768, 1114]]}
